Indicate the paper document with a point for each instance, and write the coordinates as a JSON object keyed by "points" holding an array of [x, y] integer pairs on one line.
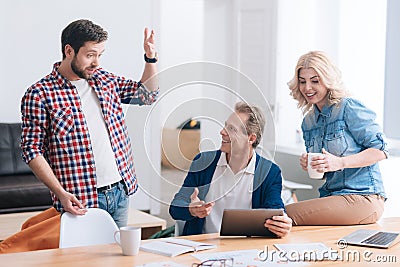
{"points": [[172, 247], [307, 252], [245, 258], [162, 264]]}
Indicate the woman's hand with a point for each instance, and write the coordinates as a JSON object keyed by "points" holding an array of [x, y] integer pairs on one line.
{"points": [[304, 161], [330, 163], [325, 163]]}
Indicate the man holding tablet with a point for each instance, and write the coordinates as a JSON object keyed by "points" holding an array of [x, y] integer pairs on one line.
{"points": [[234, 177]]}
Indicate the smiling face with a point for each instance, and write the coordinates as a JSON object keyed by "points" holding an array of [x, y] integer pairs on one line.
{"points": [[84, 63], [311, 87], [235, 139]]}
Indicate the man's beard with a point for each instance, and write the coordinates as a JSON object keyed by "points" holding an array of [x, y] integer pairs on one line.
{"points": [[81, 74]]}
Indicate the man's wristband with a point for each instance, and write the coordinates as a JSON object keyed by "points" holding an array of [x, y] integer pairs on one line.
{"points": [[150, 60]]}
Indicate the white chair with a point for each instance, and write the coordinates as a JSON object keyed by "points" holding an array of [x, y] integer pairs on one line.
{"points": [[95, 227], [289, 191], [288, 187], [179, 227]]}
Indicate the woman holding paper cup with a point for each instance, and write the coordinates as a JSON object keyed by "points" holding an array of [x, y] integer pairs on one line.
{"points": [[350, 144]]}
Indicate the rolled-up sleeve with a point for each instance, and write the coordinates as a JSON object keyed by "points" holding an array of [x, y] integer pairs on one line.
{"points": [[362, 124], [33, 125], [136, 93]]}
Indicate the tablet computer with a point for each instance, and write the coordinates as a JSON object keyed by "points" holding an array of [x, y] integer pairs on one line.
{"points": [[241, 222]]}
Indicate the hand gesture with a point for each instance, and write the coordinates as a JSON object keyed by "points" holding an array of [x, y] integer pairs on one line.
{"points": [[197, 207], [279, 225], [149, 44]]}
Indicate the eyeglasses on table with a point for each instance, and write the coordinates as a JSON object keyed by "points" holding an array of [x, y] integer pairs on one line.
{"points": [[215, 263]]}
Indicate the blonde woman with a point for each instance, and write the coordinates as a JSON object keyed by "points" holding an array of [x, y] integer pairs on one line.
{"points": [[352, 143]]}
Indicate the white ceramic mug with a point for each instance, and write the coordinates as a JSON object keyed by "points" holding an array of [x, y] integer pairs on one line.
{"points": [[129, 239], [313, 173]]}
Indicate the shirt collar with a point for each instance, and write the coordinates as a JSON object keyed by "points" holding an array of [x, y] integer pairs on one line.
{"points": [[55, 73], [325, 112], [64, 81], [250, 167]]}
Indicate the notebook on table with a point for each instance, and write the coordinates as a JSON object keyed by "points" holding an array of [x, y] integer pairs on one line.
{"points": [[172, 247], [372, 238], [242, 222]]}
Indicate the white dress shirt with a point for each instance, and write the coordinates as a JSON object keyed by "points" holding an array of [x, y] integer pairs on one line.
{"points": [[229, 191]]}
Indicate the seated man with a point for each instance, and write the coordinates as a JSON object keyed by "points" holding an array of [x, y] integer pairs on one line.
{"points": [[234, 177]]}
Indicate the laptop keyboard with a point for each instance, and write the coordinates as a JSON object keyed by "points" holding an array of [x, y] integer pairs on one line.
{"points": [[380, 238]]}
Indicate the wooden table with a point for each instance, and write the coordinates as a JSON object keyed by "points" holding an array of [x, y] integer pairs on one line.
{"points": [[110, 255], [12, 222]]}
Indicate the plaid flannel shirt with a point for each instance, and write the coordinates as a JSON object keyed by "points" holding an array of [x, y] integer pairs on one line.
{"points": [[54, 126]]}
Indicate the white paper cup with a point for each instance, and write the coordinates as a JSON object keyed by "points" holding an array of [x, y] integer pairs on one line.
{"points": [[313, 173], [129, 239]]}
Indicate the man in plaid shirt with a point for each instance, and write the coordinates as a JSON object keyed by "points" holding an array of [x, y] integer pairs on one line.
{"points": [[74, 136]]}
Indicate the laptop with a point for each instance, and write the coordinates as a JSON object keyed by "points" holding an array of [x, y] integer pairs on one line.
{"points": [[371, 238], [241, 222]]}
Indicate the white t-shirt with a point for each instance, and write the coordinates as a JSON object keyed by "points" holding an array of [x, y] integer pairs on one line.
{"points": [[106, 167], [229, 191]]}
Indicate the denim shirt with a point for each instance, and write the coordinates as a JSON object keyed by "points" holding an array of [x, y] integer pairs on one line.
{"points": [[345, 129]]}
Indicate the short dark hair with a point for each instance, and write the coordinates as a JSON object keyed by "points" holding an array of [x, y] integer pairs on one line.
{"points": [[256, 121], [78, 32]]}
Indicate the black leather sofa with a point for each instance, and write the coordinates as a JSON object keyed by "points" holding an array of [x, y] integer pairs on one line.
{"points": [[20, 190]]}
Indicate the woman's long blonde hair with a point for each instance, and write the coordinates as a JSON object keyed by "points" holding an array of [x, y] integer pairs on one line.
{"points": [[328, 73]]}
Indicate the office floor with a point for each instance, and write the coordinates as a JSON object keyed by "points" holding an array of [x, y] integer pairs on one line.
{"points": [[389, 169]]}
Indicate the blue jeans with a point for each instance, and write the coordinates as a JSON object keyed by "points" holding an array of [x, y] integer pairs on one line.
{"points": [[116, 202]]}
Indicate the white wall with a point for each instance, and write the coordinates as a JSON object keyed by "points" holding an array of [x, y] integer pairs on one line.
{"points": [[181, 41], [300, 29], [392, 92], [361, 47], [241, 36]]}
